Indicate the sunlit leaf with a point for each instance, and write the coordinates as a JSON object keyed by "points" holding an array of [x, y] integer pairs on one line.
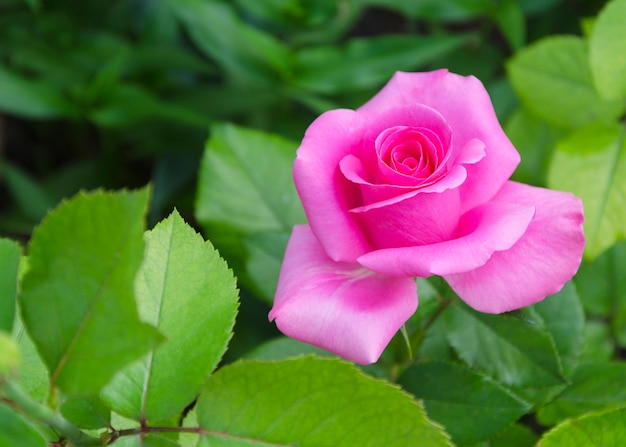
{"points": [[309, 402], [15, 432], [77, 300], [606, 429], [186, 291], [9, 265]]}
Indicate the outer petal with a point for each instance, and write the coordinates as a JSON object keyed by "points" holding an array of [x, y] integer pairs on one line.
{"points": [[325, 193], [482, 232], [343, 308], [539, 264], [467, 109]]}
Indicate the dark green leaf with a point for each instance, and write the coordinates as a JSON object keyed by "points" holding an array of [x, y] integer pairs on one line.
{"points": [[591, 163], [86, 412], [309, 402], [368, 63], [10, 253], [470, 406], [553, 79], [186, 291], [30, 196], [595, 386], [511, 350], [77, 300]]}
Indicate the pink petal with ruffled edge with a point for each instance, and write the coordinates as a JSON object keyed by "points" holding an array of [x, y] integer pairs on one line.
{"points": [[539, 264], [325, 193], [343, 308], [465, 105], [482, 231]]}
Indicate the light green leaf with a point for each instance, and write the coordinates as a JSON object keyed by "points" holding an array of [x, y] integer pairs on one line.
{"points": [[33, 377], [511, 350], [9, 266], [367, 63], [312, 402], [234, 184], [186, 291], [553, 79], [591, 163], [9, 356], [606, 429], [595, 386], [77, 300], [607, 47], [15, 432], [32, 99], [470, 406]]}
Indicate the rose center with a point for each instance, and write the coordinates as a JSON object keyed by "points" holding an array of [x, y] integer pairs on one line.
{"points": [[409, 151]]}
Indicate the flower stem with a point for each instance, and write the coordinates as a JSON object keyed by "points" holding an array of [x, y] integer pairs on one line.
{"points": [[20, 400], [418, 336]]}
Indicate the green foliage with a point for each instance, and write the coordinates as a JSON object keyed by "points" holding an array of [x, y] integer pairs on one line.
{"points": [[311, 402], [114, 330], [605, 429]]}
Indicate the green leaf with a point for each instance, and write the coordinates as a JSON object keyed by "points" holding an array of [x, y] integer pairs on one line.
{"points": [[553, 79], [511, 350], [605, 429], [599, 345], [186, 291], [234, 186], [607, 46], [281, 348], [86, 412], [33, 377], [591, 163], [367, 63], [470, 406], [10, 253], [265, 256], [9, 356], [515, 435], [15, 432], [309, 401], [244, 51], [509, 16], [534, 139], [77, 301], [32, 99], [30, 196], [563, 317], [595, 386]]}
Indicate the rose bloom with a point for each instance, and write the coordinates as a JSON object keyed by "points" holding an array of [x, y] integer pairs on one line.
{"points": [[416, 183]]}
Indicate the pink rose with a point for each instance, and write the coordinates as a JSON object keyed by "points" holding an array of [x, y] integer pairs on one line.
{"points": [[412, 184]]}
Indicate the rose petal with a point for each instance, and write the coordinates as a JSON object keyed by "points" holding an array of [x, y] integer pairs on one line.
{"points": [[466, 107], [493, 227], [325, 193], [539, 264], [343, 308], [421, 219]]}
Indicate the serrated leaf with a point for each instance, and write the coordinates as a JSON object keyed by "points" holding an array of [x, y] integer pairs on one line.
{"points": [[605, 429], [553, 79], [607, 46], [309, 401], [77, 300], [9, 267], [15, 432], [591, 163], [511, 350], [595, 386], [233, 186], [186, 291], [469, 405]]}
